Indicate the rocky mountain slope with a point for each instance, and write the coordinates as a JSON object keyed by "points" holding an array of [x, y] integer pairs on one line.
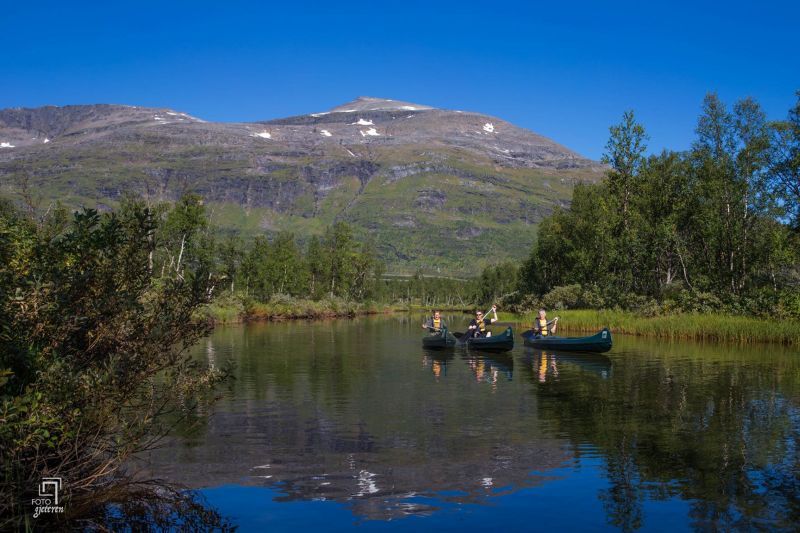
{"points": [[439, 190]]}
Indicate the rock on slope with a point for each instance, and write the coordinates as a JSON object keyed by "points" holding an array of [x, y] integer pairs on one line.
{"points": [[438, 190]]}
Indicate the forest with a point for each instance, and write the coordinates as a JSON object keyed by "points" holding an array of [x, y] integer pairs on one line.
{"points": [[714, 229]]}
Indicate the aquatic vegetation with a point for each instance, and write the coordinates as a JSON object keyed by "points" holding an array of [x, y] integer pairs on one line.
{"points": [[711, 327]]}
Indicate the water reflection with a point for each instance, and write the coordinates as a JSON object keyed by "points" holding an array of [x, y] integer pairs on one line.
{"points": [[542, 364], [489, 367], [355, 412], [437, 361]]}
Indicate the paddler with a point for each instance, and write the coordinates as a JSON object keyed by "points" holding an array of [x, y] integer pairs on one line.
{"points": [[543, 328], [477, 328], [435, 323]]}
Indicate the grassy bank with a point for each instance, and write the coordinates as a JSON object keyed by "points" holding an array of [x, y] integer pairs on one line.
{"points": [[680, 326], [710, 327], [235, 309]]}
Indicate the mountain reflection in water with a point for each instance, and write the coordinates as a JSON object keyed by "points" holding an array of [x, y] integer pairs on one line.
{"points": [[356, 412]]}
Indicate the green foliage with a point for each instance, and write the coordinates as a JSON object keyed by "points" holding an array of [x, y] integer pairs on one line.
{"points": [[675, 325], [784, 157], [428, 291], [566, 297], [705, 230], [93, 352], [274, 267], [284, 306], [336, 266], [497, 282]]}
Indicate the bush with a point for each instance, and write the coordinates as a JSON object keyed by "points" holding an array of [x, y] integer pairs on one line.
{"points": [[521, 303], [565, 297], [592, 298], [696, 302], [789, 305], [93, 355]]}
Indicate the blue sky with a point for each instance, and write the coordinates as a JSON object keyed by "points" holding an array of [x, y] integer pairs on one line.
{"points": [[566, 70]]}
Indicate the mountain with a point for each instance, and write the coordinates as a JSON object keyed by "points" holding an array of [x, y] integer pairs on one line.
{"points": [[440, 190]]}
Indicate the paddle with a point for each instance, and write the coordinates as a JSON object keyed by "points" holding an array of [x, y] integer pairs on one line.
{"points": [[530, 333], [459, 335], [432, 329]]}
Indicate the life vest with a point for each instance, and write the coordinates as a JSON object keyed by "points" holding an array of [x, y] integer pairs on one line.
{"points": [[437, 323], [481, 325], [541, 326]]}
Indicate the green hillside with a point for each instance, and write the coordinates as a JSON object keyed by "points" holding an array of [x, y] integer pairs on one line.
{"points": [[447, 195]]}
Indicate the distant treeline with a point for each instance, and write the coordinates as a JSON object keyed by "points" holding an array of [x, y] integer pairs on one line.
{"points": [[333, 266], [715, 228]]}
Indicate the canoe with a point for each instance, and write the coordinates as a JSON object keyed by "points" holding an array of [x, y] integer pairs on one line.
{"points": [[600, 342], [439, 341], [503, 342]]}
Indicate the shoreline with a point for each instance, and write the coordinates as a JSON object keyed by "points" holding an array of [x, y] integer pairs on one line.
{"points": [[232, 311], [703, 327]]}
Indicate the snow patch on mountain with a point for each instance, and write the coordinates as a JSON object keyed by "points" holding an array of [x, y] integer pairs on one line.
{"points": [[6, 145], [263, 134], [488, 127], [325, 133], [372, 132], [362, 122]]}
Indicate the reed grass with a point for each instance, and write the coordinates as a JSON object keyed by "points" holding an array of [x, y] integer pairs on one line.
{"points": [[234, 310], [711, 327]]}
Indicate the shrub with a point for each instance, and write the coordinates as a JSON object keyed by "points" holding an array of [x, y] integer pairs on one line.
{"points": [[565, 297], [93, 354], [789, 304], [697, 302], [592, 298]]}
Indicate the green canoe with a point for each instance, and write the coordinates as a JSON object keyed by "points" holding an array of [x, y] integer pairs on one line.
{"points": [[600, 342], [503, 342], [439, 341]]}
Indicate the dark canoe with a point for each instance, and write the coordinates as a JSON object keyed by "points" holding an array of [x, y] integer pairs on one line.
{"points": [[439, 341], [600, 342], [503, 342]]}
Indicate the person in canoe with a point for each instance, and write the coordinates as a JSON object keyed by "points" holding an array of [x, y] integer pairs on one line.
{"points": [[435, 323], [543, 328], [477, 328]]}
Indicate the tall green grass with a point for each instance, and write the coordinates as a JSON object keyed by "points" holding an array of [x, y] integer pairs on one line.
{"points": [[710, 327], [237, 309]]}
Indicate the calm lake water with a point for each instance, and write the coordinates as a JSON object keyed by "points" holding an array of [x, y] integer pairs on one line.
{"points": [[350, 423]]}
